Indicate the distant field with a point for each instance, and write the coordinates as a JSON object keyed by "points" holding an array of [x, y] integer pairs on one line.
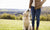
{"points": [[18, 25]]}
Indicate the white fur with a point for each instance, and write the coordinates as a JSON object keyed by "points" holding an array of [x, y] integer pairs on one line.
{"points": [[26, 20]]}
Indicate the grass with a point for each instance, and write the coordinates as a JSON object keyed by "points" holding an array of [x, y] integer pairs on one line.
{"points": [[10, 24], [18, 25]]}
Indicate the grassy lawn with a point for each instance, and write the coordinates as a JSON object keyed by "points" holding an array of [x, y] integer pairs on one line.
{"points": [[18, 25]]}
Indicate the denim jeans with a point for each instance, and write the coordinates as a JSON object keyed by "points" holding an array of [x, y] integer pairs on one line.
{"points": [[37, 14]]}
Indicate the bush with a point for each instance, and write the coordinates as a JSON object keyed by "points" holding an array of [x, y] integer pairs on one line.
{"points": [[48, 17], [7, 16], [19, 17], [43, 18]]}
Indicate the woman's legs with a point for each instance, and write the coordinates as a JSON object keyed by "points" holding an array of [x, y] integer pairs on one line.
{"points": [[38, 11]]}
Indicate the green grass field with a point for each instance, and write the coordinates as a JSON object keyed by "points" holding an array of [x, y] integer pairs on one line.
{"points": [[18, 25]]}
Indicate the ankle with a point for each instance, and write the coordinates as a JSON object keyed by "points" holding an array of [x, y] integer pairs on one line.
{"points": [[36, 28]]}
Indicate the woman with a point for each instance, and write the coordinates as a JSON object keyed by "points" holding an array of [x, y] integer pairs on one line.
{"points": [[35, 7]]}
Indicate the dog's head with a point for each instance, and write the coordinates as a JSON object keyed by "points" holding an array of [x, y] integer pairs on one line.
{"points": [[26, 13]]}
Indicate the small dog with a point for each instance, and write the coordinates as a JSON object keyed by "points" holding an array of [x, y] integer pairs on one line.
{"points": [[26, 20]]}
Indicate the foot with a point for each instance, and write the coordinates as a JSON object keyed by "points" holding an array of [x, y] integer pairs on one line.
{"points": [[37, 28]]}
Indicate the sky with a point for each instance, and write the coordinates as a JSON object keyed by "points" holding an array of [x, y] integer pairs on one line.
{"points": [[18, 4]]}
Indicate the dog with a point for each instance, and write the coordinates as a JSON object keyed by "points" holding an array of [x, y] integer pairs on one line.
{"points": [[26, 21]]}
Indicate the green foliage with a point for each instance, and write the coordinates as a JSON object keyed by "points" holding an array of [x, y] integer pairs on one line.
{"points": [[7, 16], [43, 18], [19, 17], [48, 17]]}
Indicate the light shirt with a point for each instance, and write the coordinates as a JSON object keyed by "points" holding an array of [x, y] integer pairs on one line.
{"points": [[33, 4]]}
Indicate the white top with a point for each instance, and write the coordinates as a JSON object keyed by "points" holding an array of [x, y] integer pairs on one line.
{"points": [[33, 4]]}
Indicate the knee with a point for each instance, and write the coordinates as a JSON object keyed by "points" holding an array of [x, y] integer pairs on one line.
{"points": [[38, 18]]}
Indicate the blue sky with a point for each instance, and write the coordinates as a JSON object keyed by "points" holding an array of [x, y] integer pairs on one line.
{"points": [[18, 4]]}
